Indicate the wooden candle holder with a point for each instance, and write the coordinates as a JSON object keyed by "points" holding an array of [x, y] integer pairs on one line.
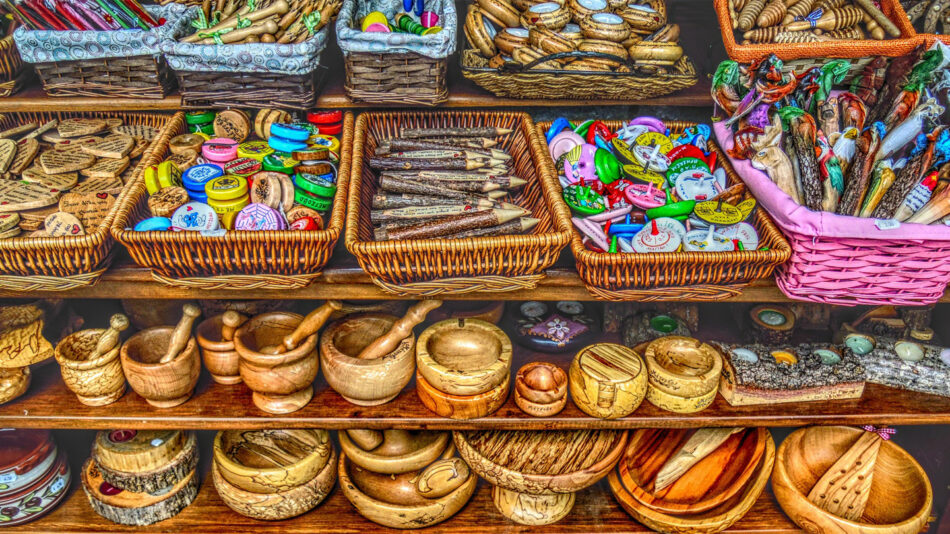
{"points": [[541, 389], [162, 385], [217, 352], [365, 382], [533, 472], [403, 479], [89, 363], [281, 383], [13, 383], [607, 380], [133, 508], [895, 489]]}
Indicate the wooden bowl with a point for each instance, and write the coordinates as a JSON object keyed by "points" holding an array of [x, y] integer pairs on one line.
{"points": [[715, 520], [360, 381], [900, 496], [281, 383], [13, 383], [712, 481], [96, 382], [461, 406], [464, 356], [284, 504], [677, 404], [397, 451], [271, 461], [529, 509], [655, 53], [162, 385], [219, 356], [683, 366], [607, 380], [541, 389]]}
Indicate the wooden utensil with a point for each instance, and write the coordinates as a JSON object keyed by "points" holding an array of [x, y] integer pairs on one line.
{"points": [[309, 326], [182, 332], [845, 487], [110, 338], [400, 330], [703, 442]]}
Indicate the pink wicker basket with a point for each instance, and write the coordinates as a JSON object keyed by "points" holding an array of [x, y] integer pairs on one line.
{"points": [[839, 259]]}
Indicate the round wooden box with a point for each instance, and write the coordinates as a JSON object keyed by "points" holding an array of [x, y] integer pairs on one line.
{"points": [[541, 389], [607, 380], [162, 385]]}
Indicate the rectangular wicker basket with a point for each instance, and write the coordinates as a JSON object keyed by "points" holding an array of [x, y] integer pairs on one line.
{"points": [[431, 267], [699, 276], [13, 75], [63, 263], [280, 259]]}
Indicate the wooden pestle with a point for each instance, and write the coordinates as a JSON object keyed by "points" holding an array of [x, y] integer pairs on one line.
{"points": [[231, 321], [110, 338], [385, 343], [365, 439], [182, 333], [310, 324]]}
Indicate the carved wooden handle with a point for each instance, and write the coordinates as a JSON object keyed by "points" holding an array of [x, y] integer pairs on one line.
{"points": [[110, 338], [234, 36], [231, 320], [182, 333], [277, 8], [310, 324], [401, 329]]}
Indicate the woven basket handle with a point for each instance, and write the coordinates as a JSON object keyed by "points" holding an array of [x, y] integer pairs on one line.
{"points": [[575, 54]]}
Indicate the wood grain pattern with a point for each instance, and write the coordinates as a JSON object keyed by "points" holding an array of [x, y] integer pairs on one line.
{"points": [[271, 461], [461, 406], [464, 356], [607, 380], [845, 487], [217, 351], [164, 385], [97, 379]]}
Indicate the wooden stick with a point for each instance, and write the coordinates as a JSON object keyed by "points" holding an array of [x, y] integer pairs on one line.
{"points": [[448, 225], [400, 329], [310, 324], [879, 17], [110, 338], [477, 131], [182, 333], [231, 321]]}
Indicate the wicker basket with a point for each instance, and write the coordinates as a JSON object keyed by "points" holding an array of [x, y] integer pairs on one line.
{"points": [[394, 76], [539, 84], [63, 263], [431, 267], [700, 276], [802, 56], [838, 259], [280, 259], [13, 76]]}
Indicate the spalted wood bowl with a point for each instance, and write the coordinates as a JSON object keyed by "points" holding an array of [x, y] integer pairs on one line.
{"points": [[271, 461], [400, 451], [561, 461], [708, 522], [95, 381], [900, 496], [709, 483]]}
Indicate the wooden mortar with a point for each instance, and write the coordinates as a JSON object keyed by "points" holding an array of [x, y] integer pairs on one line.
{"points": [[162, 385], [13, 383], [464, 357], [271, 461], [281, 383], [365, 382], [96, 379], [217, 347]]}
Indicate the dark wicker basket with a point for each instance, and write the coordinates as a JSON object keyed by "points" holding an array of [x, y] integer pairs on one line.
{"points": [[131, 77], [249, 89], [409, 79]]}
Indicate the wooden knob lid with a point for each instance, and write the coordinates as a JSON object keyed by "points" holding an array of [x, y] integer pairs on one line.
{"points": [[135, 451], [610, 363]]}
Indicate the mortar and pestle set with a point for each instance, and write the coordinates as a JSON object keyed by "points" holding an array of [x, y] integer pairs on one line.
{"points": [[89, 363]]}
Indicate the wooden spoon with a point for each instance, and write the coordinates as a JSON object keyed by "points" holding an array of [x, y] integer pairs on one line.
{"points": [[400, 329], [844, 488], [182, 333], [110, 338]]}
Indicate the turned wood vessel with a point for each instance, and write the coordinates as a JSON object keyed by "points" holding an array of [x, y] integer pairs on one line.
{"points": [[162, 385], [464, 356], [282, 383], [683, 366], [216, 339], [147, 461], [89, 363], [897, 500], [271, 461], [541, 389], [607, 380], [461, 406], [365, 382], [404, 479], [655, 52], [13, 383], [713, 520], [540, 467]]}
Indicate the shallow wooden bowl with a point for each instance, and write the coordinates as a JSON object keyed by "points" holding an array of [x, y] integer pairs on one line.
{"points": [[95, 381], [461, 406], [715, 520], [219, 355], [365, 382], [400, 451], [13, 383], [683, 366], [282, 383], [283, 504], [271, 461], [464, 356], [562, 461], [709, 483], [162, 385], [900, 496], [423, 513]]}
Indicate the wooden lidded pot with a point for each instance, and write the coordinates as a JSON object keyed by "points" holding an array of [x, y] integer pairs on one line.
{"points": [[365, 382], [216, 340]]}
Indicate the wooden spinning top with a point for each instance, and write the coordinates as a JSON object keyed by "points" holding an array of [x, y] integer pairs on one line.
{"points": [[541, 389]]}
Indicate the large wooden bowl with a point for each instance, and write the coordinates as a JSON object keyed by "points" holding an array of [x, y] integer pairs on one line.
{"points": [[715, 520], [271, 461], [161, 384], [95, 381], [900, 495], [464, 356], [401, 451], [365, 382], [219, 355], [281, 383]]}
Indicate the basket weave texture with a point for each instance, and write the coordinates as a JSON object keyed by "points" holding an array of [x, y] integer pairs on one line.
{"points": [[430, 267], [13, 76], [700, 276], [845, 260], [278, 259], [61, 263]]}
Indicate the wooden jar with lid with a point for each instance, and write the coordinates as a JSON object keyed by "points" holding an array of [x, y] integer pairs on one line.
{"points": [[607, 380]]}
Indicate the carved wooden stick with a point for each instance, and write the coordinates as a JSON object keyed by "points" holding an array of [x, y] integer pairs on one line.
{"points": [[110, 338], [235, 36], [879, 17], [399, 330], [182, 333], [276, 9], [231, 321], [310, 324]]}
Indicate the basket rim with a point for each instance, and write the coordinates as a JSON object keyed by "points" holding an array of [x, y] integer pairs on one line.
{"points": [[560, 234], [130, 237], [776, 255], [829, 49], [467, 69]]}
